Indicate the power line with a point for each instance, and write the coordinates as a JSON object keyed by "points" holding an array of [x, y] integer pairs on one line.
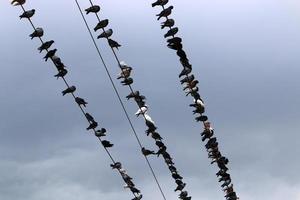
{"points": [[122, 172], [120, 100]]}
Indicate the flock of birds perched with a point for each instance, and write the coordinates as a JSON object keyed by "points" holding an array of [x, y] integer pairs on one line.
{"points": [[190, 87], [191, 83]]}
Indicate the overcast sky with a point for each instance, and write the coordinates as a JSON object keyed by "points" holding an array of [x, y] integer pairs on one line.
{"points": [[244, 53]]}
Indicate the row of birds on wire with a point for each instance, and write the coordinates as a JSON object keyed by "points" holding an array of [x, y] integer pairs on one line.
{"points": [[175, 43], [125, 76], [93, 124], [191, 85]]}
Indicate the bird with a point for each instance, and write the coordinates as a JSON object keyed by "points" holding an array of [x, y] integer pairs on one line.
{"points": [[61, 73], [116, 165], [80, 101], [181, 53], [56, 60], [89, 117], [101, 24], [106, 34], [156, 136], [114, 44], [148, 120], [147, 152], [50, 54], [175, 46], [160, 3], [38, 32], [183, 194], [69, 90], [185, 63], [185, 71], [107, 144], [171, 32], [174, 40], [193, 91], [127, 81], [100, 133], [168, 23], [176, 176], [161, 150], [191, 84], [165, 13], [201, 118], [180, 187], [125, 72], [139, 197], [187, 79], [18, 2], [133, 95], [46, 45], [93, 9], [134, 190], [142, 110], [92, 125], [27, 14]]}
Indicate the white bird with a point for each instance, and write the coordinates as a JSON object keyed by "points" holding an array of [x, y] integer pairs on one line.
{"points": [[199, 102], [148, 118], [18, 2], [142, 110]]}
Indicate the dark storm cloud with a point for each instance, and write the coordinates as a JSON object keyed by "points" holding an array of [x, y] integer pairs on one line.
{"points": [[245, 55]]}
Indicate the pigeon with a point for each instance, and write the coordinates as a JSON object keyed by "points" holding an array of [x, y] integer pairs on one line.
{"points": [[168, 23], [125, 70], [116, 165], [181, 54], [148, 120], [89, 117], [160, 3], [50, 54], [139, 197], [107, 144], [193, 92], [187, 79], [171, 32], [161, 151], [101, 132], [134, 190], [147, 152], [180, 187], [201, 118], [92, 125], [69, 90], [142, 110], [177, 176], [106, 34], [127, 81], [114, 44], [172, 169], [175, 40], [178, 182], [80, 101], [18, 2], [165, 13], [93, 9], [56, 60], [27, 14], [102, 24], [61, 73], [183, 194], [191, 84], [186, 71], [175, 46], [46, 45], [133, 95], [156, 136], [38, 32]]}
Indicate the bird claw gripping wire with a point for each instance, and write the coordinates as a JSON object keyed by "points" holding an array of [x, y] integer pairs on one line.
{"points": [[51, 54], [175, 43]]}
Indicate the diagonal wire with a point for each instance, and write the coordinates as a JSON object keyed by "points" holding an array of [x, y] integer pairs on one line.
{"points": [[80, 107], [120, 100]]}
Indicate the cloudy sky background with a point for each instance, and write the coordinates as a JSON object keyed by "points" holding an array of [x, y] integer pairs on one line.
{"points": [[245, 54]]}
